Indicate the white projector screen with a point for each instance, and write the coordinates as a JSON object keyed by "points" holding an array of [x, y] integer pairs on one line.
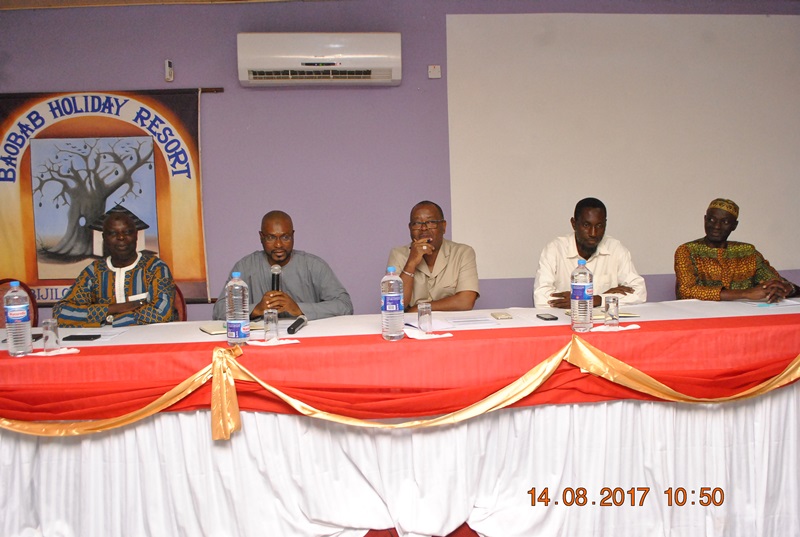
{"points": [[656, 115]]}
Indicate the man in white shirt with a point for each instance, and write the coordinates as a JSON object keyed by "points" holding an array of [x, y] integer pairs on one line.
{"points": [[609, 261]]}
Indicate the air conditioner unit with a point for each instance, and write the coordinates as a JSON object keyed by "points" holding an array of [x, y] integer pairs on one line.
{"points": [[289, 59]]}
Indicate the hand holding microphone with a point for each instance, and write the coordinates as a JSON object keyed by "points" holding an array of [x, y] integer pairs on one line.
{"points": [[277, 299]]}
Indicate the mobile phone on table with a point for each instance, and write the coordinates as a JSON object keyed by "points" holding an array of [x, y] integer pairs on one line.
{"points": [[500, 315], [81, 337], [546, 316]]}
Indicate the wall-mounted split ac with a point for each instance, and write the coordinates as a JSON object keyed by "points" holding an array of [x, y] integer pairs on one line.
{"points": [[289, 59]]}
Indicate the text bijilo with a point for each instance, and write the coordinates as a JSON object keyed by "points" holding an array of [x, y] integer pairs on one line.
{"points": [[32, 120]]}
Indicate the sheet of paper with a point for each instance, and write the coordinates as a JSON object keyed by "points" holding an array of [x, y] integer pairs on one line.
{"points": [[786, 302], [471, 322], [108, 333], [439, 324]]}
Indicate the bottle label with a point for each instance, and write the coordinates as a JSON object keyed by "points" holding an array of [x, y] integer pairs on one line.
{"points": [[18, 313], [582, 291], [392, 302], [238, 329]]}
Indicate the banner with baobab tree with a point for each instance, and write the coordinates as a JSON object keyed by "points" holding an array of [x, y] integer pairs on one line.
{"points": [[67, 158]]}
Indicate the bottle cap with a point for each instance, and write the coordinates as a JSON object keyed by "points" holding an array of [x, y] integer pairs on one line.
{"points": [[235, 274], [581, 262], [391, 270], [13, 284]]}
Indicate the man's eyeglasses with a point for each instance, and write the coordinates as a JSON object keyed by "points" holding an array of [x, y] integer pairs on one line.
{"points": [[430, 224], [286, 237]]}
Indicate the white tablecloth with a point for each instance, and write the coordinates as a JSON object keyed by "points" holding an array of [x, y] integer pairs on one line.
{"points": [[450, 321]]}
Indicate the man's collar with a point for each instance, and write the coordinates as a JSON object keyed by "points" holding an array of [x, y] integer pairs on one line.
{"points": [[573, 248], [112, 267]]}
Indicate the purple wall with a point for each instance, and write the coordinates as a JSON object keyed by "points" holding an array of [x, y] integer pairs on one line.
{"points": [[348, 164]]}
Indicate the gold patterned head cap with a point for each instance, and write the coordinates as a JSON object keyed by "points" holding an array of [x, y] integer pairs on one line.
{"points": [[725, 205]]}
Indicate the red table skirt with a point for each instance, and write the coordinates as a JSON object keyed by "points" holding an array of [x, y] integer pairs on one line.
{"points": [[366, 377]]}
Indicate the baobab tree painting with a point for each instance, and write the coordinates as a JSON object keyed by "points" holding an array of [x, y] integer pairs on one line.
{"points": [[74, 181], [66, 158]]}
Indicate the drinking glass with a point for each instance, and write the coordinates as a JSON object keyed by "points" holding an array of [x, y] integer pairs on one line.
{"points": [[425, 317], [270, 325], [50, 332], [612, 311]]}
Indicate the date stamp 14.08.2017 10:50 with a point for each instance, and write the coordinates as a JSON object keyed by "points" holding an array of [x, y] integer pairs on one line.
{"points": [[633, 496]]}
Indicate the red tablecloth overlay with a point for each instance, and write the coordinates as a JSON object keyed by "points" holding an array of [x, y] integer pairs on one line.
{"points": [[366, 377]]}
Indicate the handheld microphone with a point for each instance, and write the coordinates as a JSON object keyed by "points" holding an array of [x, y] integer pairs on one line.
{"points": [[276, 277], [299, 323]]}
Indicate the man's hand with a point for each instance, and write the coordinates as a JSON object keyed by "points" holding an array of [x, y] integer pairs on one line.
{"points": [[277, 300], [419, 248], [769, 291], [776, 290], [560, 300], [125, 307], [619, 290]]}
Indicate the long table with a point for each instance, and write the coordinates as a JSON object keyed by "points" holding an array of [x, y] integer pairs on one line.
{"points": [[572, 438]]}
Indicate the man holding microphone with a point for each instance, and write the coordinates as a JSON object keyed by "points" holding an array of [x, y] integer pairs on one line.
{"points": [[308, 286]]}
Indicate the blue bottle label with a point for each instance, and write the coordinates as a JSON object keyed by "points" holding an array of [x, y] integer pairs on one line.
{"points": [[582, 291], [18, 313], [393, 302], [238, 329]]}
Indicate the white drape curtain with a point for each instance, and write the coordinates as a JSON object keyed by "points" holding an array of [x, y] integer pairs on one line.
{"points": [[293, 476]]}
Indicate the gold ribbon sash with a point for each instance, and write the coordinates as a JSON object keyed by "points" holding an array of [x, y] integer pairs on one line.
{"points": [[225, 369]]}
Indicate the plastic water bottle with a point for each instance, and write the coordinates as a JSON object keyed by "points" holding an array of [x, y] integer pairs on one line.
{"points": [[18, 321], [581, 298], [237, 315], [392, 305]]}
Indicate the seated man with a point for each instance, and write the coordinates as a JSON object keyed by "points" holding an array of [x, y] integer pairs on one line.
{"points": [[714, 268], [432, 268], [126, 288], [308, 285], [610, 262]]}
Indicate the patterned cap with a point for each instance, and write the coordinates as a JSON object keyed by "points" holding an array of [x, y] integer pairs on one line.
{"points": [[725, 205]]}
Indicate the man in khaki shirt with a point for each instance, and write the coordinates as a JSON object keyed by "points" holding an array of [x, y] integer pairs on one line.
{"points": [[432, 268]]}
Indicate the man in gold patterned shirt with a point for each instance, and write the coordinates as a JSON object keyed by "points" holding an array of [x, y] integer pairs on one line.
{"points": [[714, 268]]}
